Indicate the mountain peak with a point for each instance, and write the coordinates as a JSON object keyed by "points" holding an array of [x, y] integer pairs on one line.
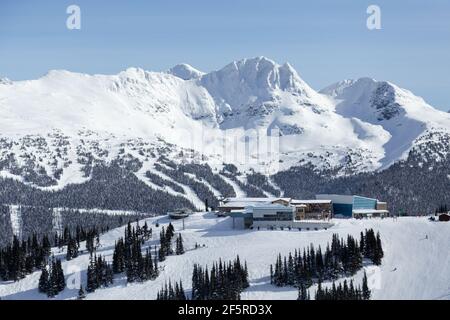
{"points": [[376, 119], [239, 82], [259, 59], [58, 73], [133, 72], [185, 72], [337, 89]]}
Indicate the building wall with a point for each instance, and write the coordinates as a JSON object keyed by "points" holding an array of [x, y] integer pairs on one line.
{"points": [[343, 209], [364, 203], [229, 209], [381, 206], [300, 213], [336, 198], [313, 211], [293, 224], [279, 215], [344, 205]]}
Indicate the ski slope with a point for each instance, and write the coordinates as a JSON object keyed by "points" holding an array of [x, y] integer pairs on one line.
{"points": [[16, 220], [415, 264]]}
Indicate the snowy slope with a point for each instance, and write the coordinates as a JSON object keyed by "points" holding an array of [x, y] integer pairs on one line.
{"points": [[185, 72], [49, 124], [411, 269], [404, 116]]}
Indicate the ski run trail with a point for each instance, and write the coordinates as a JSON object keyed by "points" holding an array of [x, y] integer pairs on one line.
{"points": [[16, 220]]}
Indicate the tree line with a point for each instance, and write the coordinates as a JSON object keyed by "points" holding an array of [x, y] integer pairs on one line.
{"points": [[341, 258], [99, 273], [128, 256], [225, 281], [72, 240], [343, 291], [23, 257], [52, 280], [169, 292]]}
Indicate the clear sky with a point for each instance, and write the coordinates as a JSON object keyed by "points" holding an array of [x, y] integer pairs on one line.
{"points": [[326, 41]]}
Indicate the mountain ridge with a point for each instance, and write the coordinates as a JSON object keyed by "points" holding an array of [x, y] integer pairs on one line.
{"points": [[54, 124]]}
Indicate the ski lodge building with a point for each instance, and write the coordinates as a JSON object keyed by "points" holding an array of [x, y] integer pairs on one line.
{"points": [[302, 214], [355, 206]]}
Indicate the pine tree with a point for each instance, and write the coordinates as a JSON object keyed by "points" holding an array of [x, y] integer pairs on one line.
{"points": [[225, 281], [342, 257], [362, 244], [319, 292], [302, 292], [81, 294], [378, 251], [181, 294], [59, 276], [179, 245], [128, 256], [365, 288], [44, 281], [91, 275], [271, 274]]}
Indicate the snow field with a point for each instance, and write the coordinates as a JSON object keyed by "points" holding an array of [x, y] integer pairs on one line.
{"points": [[413, 266]]}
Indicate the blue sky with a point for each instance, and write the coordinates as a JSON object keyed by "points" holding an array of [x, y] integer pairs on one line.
{"points": [[326, 41]]}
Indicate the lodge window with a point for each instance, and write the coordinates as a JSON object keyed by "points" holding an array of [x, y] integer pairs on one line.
{"points": [[279, 216]]}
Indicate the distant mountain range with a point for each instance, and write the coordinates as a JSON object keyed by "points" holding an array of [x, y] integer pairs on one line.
{"points": [[56, 129]]}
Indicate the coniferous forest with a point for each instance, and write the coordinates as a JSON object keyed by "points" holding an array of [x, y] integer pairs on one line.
{"points": [[99, 273], [312, 265], [52, 280], [40, 221], [23, 257], [169, 292], [343, 291], [128, 257], [224, 281]]}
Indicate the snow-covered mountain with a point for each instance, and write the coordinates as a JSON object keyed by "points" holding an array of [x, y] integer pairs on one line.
{"points": [[55, 127], [404, 116], [185, 72]]}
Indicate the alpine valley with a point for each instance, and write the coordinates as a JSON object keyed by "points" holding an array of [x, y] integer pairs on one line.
{"points": [[152, 141]]}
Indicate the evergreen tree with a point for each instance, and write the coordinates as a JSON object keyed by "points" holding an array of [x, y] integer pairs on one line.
{"points": [[343, 257], [225, 281], [128, 256], [365, 288], [44, 281], [302, 292], [81, 294], [179, 245], [91, 275], [59, 276]]}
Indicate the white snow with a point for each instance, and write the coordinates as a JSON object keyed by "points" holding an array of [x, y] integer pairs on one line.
{"points": [[185, 72], [57, 220], [16, 220], [396, 135], [414, 266], [209, 111], [188, 192], [237, 189]]}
